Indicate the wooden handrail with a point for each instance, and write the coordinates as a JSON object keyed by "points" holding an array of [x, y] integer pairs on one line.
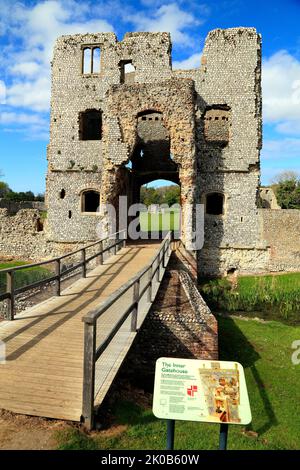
{"points": [[52, 260], [92, 316], [11, 292], [92, 351]]}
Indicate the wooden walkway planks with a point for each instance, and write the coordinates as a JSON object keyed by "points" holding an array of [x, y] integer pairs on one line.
{"points": [[44, 345]]}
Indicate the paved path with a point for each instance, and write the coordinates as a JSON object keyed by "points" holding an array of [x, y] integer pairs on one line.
{"points": [[42, 375]]}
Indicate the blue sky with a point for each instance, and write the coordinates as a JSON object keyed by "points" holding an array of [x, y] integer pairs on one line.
{"points": [[28, 30]]}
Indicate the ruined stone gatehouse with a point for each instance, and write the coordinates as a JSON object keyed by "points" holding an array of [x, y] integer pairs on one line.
{"points": [[122, 117]]}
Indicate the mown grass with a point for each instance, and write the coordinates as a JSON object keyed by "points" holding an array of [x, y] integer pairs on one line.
{"points": [[154, 222], [269, 297], [23, 277], [273, 383]]}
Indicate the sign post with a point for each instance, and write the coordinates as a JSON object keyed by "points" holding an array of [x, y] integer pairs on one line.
{"points": [[170, 434], [223, 436], [200, 390]]}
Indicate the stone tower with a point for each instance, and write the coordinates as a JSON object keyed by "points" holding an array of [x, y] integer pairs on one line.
{"points": [[115, 102]]}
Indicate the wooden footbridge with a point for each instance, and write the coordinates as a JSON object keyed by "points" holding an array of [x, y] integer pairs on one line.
{"points": [[62, 355]]}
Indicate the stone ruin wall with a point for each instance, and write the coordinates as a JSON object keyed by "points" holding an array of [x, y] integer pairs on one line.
{"points": [[281, 229], [22, 236], [19, 235], [72, 93], [216, 109]]}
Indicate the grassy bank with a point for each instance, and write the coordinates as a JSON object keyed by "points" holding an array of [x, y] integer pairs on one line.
{"points": [[269, 297], [24, 277], [273, 381]]}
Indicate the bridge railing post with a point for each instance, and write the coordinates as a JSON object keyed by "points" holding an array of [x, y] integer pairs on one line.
{"points": [[83, 261], [10, 291], [150, 280], [101, 252], [136, 293], [58, 274], [164, 255], [89, 374], [159, 266]]}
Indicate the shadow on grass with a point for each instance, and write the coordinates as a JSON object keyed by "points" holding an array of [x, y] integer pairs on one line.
{"points": [[234, 346]]}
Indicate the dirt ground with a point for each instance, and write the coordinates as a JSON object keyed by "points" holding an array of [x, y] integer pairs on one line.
{"points": [[18, 432]]}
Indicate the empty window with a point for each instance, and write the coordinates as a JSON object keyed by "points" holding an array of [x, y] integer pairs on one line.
{"points": [[62, 194], [90, 201], [90, 125], [91, 60], [87, 60], [127, 71], [215, 204], [96, 60]]}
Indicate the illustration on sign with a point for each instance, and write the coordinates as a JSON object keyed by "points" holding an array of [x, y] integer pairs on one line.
{"points": [[198, 390]]}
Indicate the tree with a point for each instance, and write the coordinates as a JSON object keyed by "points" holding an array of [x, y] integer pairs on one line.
{"points": [[287, 190], [4, 189], [163, 195], [288, 175], [172, 195], [21, 196]]}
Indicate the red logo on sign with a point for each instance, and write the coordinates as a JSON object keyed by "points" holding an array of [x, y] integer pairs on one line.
{"points": [[192, 390]]}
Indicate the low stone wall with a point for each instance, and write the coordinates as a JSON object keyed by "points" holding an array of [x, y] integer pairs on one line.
{"points": [[281, 230], [220, 261], [14, 206], [20, 236]]}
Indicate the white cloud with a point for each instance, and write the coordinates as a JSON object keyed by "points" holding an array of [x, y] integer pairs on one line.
{"points": [[27, 69], [289, 127], [281, 92], [22, 118], [37, 28], [191, 62], [2, 92], [167, 18], [278, 156], [30, 94], [284, 149]]}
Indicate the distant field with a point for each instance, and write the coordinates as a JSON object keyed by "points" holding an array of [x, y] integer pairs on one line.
{"points": [[154, 222]]}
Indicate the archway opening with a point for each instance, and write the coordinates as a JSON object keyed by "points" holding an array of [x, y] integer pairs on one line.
{"points": [[151, 166], [161, 207]]}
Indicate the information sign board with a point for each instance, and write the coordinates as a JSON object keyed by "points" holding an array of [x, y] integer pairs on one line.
{"points": [[201, 390]]}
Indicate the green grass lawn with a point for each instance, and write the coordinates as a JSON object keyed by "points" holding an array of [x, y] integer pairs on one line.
{"points": [[154, 222], [264, 349], [24, 277]]}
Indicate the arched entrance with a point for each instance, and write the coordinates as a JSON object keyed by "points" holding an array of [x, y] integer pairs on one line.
{"points": [[161, 208], [149, 134], [151, 160]]}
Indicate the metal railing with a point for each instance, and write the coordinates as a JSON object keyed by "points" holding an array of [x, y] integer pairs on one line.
{"points": [[11, 291], [93, 351]]}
